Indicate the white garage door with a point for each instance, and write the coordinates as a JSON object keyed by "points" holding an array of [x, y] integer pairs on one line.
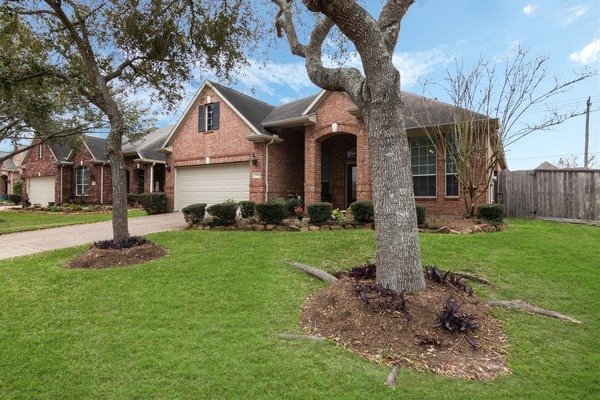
{"points": [[41, 190], [211, 184]]}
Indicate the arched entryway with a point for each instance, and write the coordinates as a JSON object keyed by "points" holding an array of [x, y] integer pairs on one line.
{"points": [[339, 171]]}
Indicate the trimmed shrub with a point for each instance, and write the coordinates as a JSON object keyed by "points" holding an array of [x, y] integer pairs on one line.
{"points": [[154, 202], [273, 211], [132, 198], [319, 212], [224, 213], [292, 204], [363, 211], [18, 188], [420, 214], [493, 213], [194, 213], [248, 208], [14, 198]]}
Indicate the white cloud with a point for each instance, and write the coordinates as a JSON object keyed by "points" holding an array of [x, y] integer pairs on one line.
{"points": [[574, 13], [529, 9], [413, 66], [589, 54]]}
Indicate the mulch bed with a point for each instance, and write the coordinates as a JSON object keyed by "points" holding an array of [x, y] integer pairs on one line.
{"points": [[338, 313], [95, 258]]}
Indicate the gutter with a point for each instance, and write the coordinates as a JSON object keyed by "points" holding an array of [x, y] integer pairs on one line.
{"points": [[267, 170], [304, 120]]}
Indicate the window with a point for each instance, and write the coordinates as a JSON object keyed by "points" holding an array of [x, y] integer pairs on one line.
{"points": [[451, 167], [423, 165], [208, 117], [40, 151], [81, 181]]}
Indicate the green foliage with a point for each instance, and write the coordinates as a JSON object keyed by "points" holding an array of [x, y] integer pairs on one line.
{"points": [[14, 198], [292, 204], [18, 187], [363, 211], [194, 213], [224, 213], [273, 211], [420, 214], [493, 213], [154, 202], [132, 198], [450, 319], [319, 212], [337, 214], [248, 208]]}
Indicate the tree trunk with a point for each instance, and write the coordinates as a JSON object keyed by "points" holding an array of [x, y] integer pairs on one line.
{"points": [[119, 180], [398, 254]]}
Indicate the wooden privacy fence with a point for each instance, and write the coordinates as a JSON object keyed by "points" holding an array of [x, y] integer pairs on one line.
{"points": [[559, 193]]}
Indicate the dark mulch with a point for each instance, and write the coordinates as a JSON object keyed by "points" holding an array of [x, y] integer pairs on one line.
{"points": [[95, 258], [338, 313]]}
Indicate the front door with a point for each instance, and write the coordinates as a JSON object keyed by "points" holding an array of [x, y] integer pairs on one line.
{"points": [[350, 183]]}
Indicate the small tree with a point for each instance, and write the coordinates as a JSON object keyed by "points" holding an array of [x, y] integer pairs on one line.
{"points": [[488, 102]]}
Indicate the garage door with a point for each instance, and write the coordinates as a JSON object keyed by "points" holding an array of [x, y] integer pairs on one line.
{"points": [[41, 190], [211, 184]]}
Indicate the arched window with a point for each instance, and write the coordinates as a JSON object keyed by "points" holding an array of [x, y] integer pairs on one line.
{"points": [[82, 181]]}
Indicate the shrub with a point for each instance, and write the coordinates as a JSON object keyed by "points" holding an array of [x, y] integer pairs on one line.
{"points": [[76, 207], [224, 213], [18, 187], [420, 214], [292, 204], [248, 208], [132, 198], [194, 213], [319, 212], [128, 242], [362, 211], [154, 203], [14, 198], [273, 211], [491, 212]]}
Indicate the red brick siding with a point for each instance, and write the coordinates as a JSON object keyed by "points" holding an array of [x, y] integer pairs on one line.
{"points": [[286, 165], [35, 166]]}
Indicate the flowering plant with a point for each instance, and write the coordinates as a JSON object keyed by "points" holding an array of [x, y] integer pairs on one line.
{"points": [[299, 211]]}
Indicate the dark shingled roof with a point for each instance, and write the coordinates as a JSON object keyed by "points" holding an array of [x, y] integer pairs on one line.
{"points": [[289, 110], [146, 146], [97, 147], [61, 151], [252, 109], [420, 111]]}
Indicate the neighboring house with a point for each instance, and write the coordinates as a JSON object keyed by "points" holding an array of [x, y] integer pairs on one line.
{"points": [[55, 173], [230, 145], [10, 172]]}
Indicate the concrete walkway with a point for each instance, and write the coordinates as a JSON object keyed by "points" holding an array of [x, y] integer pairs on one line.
{"points": [[31, 242]]}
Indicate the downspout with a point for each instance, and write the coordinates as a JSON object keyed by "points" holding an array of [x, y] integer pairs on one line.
{"points": [[267, 169], [102, 184]]}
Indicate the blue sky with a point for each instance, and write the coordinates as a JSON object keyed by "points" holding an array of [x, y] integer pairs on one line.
{"points": [[435, 33]]}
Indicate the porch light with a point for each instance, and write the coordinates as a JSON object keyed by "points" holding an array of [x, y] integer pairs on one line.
{"points": [[334, 127], [253, 160], [167, 168]]}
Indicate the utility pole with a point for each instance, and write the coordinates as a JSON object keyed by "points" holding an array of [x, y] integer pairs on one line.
{"points": [[586, 159]]}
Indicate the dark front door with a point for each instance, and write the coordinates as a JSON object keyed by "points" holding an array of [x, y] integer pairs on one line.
{"points": [[350, 184]]}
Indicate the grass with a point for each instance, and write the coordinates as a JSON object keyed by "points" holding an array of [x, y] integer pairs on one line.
{"points": [[200, 323], [11, 221]]}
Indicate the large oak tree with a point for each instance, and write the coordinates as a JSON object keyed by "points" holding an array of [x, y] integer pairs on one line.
{"points": [[104, 50], [376, 93]]}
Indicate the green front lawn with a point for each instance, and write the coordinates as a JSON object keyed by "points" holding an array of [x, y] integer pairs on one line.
{"points": [[200, 323], [12, 221]]}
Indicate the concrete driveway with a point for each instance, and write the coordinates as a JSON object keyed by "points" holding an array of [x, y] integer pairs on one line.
{"points": [[31, 242]]}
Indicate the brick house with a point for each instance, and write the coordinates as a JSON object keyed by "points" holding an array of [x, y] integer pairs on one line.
{"points": [[10, 172], [230, 145], [55, 173]]}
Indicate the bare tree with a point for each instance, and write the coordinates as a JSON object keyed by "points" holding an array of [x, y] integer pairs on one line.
{"points": [[489, 103], [101, 49], [377, 95]]}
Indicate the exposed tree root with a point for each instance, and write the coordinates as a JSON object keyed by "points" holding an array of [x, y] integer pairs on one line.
{"points": [[295, 336], [474, 278], [391, 379], [532, 309], [317, 273]]}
